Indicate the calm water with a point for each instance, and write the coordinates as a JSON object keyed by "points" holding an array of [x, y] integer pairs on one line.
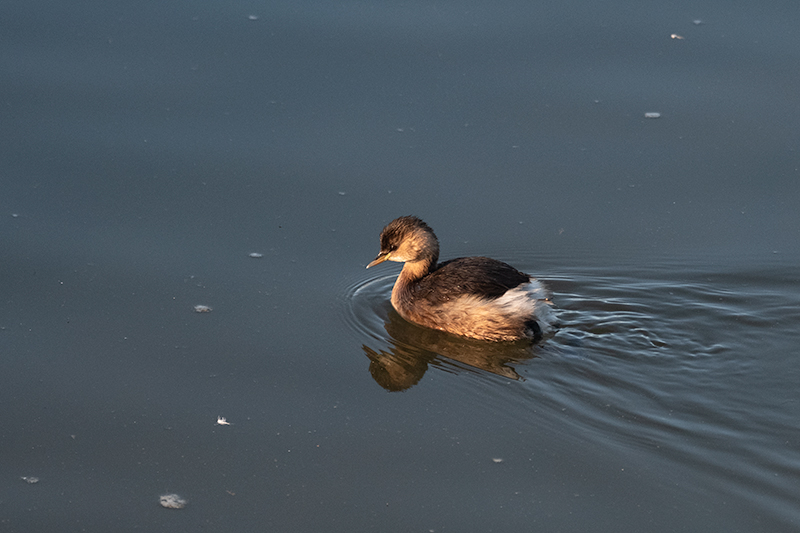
{"points": [[148, 149]]}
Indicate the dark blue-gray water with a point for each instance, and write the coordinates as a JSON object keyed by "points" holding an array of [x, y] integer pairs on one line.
{"points": [[148, 148]]}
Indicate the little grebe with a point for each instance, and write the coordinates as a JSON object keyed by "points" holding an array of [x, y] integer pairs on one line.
{"points": [[475, 297]]}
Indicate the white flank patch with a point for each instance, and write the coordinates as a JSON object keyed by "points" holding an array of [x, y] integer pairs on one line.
{"points": [[529, 299]]}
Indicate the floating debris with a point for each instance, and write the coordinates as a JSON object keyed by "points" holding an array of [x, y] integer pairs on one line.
{"points": [[15, 215], [697, 22], [202, 309], [252, 17], [256, 255], [221, 421], [172, 501], [652, 114], [497, 460], [30, 479], [676, 36]]}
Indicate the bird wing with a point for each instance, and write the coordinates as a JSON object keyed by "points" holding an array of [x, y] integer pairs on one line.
{"points": [[469, 276]]}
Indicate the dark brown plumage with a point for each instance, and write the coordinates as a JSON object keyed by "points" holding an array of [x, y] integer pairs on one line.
{"points": [[482, 276]]}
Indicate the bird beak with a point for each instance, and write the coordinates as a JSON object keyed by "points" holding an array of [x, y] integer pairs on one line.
{"points": [[383, 256]]}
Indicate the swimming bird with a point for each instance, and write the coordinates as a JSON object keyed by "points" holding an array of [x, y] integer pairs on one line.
{"points": [[475, 297]]}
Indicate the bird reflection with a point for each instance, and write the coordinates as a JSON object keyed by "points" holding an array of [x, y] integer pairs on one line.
{"points": [[414, 348]]}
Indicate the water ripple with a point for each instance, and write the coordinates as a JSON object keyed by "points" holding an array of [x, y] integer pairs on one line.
{"points": [[401, 353], [677, 364]]}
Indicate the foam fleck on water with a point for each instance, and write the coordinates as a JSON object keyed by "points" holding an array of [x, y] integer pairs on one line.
{"points": [[172, 501]]}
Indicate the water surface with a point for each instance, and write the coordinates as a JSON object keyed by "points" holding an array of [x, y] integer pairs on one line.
{"points": [[147, 150]]}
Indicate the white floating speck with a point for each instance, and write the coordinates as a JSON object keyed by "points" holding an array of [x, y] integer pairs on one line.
{"points": [[652, 114], [697, 22], [497, 460], [202, 309], [342, 193], [252, 17], [172, 501], [676, 36], [256, 255], [30, 479], [221, 421], [15, 215]]}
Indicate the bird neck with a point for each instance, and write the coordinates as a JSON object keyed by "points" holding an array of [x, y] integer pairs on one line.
{"points": [[411, 273]]}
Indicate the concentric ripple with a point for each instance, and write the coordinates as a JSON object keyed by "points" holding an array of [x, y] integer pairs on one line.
{"points": [[659, 359], [401, 352], [367, 306]]}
